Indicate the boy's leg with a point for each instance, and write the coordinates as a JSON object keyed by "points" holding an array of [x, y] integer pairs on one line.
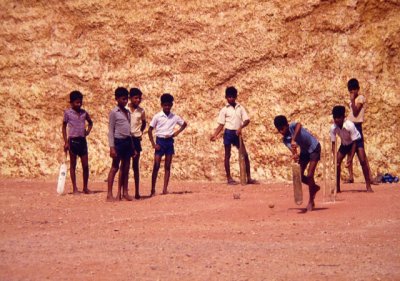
{"points": [[362, 157], [85, 168], [350, 168], [227, 164], [168, 161], [111, 176], [312, 186], [72, 169], [136, 175], [340, 158], [156, 167], [125, 165]]}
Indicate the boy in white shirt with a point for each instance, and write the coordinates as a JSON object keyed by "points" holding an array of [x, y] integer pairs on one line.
{"points": [[138, 124], [164, 124], [234, 118], [351, 142]]}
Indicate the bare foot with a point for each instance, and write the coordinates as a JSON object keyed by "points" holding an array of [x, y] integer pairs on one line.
{"points": [[127, 197], [369, 190], [165, 192], [87, 191], [310, 206], [75, 192], [137, 196], [252, 181], [152, 193], [110, 198]]}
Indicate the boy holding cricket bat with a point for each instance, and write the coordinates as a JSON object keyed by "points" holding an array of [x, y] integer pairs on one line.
{"points": [[163, 123], [351, 142], [295, 135], [121, 145], [138, 125], [234, 118], [75, 119]]}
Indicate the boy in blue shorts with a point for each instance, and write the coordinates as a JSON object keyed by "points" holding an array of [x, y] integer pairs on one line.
{"points": [[121, 145], [75, 119], [138, 124], [164, 123], [294, 135], [351, 142], [234, 118]]}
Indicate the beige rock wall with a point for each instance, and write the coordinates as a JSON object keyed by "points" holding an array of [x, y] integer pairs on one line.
{"points": [[285, 57]]}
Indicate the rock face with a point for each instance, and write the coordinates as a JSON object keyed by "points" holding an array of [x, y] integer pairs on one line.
{"points": [[284, 57]]}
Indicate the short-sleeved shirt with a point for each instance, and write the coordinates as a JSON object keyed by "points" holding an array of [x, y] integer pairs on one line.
{"points": [[348, 133], [305, 140], [75, 122], [232, 117], [360, 99], [164, 125], [119, 125], [137, 116]]}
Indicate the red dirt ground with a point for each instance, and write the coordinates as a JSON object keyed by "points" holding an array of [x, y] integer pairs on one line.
{"points": [[199, 232]]}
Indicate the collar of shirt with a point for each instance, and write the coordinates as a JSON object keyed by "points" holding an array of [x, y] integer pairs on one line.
{"points": [[228, 105]]}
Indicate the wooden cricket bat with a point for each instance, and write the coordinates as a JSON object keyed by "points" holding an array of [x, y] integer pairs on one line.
{"points": [[242, 163], [297, 188], [62, 175], [335, 170]]}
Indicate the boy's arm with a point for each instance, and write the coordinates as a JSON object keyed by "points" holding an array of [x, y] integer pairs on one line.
{"points": [[294, 137], [217, 131], [355, 107], [143, 123], [90, 124], [64, 132], [245, 123], [111, 128], [184, 125], [153, 144]]}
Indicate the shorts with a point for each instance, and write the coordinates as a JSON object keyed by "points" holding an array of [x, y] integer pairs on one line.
{"points": [[124, 147], [166, 146], [346, 149], [137, 143], [78, 146], [230, 138], [306, 157], [359, 128]]}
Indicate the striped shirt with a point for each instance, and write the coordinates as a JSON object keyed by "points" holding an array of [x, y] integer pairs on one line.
{"points": [[75, 122], [119, 125]]}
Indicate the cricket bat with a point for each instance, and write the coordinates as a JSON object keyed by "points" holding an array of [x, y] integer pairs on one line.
{"points": [[297, 188], [62, 176], [242, 163], [335, 170]]}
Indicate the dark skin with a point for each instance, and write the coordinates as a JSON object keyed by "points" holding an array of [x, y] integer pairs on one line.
{"points": [[312, 165], [116, 162], [157, 158], [135, 101], [76, 106], [362, 157], [218, 130]]}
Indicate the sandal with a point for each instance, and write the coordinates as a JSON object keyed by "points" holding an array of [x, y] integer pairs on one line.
{"points": [[252, 181], [232, 182]]}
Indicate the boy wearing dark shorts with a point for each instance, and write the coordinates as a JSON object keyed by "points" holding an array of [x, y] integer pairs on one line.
{"points": [[234, 118], [75, 119], [295, 135], [164, 124], [351, 142], [121, 145], [138, 124]]}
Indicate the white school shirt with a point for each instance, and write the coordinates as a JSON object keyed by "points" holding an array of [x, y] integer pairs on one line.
{"points": [[137, 116], [360, 117], [164, 125], [348, 133], [232, 117]]}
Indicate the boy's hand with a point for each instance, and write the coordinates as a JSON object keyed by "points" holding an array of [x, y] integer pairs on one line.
{"points": [[213, 138], [293, 144], [66, 146], [87, 132], [296, 158], [113, 153], [157, 147], [239, 131]]}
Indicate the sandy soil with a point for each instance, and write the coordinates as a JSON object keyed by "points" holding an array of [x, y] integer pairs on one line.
{"points": [[199, 232]]}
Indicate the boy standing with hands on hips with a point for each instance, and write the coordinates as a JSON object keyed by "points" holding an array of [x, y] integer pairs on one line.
{"points": [[164, 123]]}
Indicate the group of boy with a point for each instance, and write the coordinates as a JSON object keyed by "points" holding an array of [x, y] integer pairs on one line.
{"points": [[126, 127]]}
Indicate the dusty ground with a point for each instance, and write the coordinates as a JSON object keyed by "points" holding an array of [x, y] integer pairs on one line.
{"points": [[198, 233]]}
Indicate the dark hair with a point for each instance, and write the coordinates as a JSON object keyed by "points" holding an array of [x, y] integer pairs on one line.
{"points": [[231, 92], [338, 111], [135, 92], [121, 92], [280, 121], [353, 84], [75, 95], [167, 98]]}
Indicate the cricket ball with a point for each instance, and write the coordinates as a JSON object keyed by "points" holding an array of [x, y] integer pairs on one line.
{"points": [[271, 205]]}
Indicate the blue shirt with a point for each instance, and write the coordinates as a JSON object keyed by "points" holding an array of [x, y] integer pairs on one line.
{"points": [[305, 140]]}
